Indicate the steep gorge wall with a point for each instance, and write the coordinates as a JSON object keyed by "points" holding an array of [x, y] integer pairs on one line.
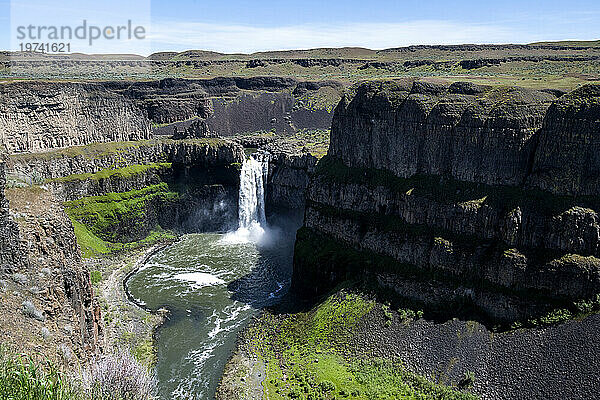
{"points": [[462, 194], [94, 158], [234, 105], [123, 191], [289, 175], [47, 298], [35, 116]]}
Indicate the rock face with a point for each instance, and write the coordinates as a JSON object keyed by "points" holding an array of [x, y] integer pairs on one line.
{"points": [[184, 185], [462, 194], [40, 116], [47, 299], [288, 179], [468, 132], [196, 130], [234, 105], [36, 116], [91, 159], [12, 258], [568, 156]]}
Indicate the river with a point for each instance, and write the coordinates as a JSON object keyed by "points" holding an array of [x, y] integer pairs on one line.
{"points": [[212, 284]]}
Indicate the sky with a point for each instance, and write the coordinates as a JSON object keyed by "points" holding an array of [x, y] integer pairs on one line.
{"points": [[249, 26]]}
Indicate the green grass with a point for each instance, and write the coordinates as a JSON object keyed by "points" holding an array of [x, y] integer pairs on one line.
{"points": [[93, 246], [122, 173], [90, 244], [101, 214], [23, 378], [308, 356], [95, 277]]}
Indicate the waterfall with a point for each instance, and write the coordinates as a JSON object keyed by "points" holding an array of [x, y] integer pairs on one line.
{"points": [[251, 201], [252, 191]]}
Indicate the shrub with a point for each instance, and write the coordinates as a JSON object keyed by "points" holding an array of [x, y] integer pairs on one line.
{"points": [[31, 311], [20, 278], [95, 277], [327, 386], [22, 378], [467, 381], [115, 377]]}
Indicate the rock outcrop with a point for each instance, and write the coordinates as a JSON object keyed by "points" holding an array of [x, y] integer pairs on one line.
{"points": [[47, 298], [460, 194], [289, 175], [123, 191], [12, 259], [36, 116]]}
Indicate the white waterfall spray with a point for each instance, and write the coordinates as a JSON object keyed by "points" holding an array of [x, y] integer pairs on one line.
{"points": [[252, 191], [251, 202]]}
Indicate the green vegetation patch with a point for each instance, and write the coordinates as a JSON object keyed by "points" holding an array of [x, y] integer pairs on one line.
{"points": [[93, 246], [308, 356], [120, 173], [100, 214], [325, 98], [22, 377]]}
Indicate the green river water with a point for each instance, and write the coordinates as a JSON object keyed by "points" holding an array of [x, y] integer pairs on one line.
{"points": [[212, 284]]}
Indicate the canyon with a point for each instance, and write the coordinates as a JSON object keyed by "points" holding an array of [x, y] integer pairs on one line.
{"points": [[477, 205]]}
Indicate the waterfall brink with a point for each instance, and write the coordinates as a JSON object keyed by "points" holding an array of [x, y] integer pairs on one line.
{"points": [[251, 201], [252, 191]]}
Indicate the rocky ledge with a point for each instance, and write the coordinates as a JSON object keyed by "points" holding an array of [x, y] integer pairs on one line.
{"points": [[36, 116]]}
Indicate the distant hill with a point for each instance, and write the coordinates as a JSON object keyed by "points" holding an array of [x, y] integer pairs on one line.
{"points": [[570, 43]]}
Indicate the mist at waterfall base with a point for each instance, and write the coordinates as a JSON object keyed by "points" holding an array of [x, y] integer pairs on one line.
{"points": [[213, 284]]}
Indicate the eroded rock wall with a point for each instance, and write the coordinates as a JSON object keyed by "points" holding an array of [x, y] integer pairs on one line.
{"points": [[36, 116], [47, 298], [483, 196], [91, 159], [234, 105]]}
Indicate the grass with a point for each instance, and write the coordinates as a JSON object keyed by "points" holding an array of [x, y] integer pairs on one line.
{"points": [[93, 246], [102, 214], [90, 244], [23, 378], [111, 377], [308, 356], [121, 173], [95, 277]]}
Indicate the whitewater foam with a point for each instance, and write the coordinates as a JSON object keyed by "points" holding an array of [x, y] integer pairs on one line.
{"points": [[200, 279]]}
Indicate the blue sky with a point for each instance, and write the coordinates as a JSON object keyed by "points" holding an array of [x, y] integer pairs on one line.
{"points": [[247, 26]]}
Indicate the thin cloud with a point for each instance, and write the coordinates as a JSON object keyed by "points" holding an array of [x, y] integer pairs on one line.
{"points": [[248, 39]]}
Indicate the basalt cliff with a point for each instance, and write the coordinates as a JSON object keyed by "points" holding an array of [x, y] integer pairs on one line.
{"points": [[38, 116], [47, 305], [465, 199]]}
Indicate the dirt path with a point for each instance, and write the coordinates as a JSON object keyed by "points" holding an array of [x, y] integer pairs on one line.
{"points": [[126, 325]]}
